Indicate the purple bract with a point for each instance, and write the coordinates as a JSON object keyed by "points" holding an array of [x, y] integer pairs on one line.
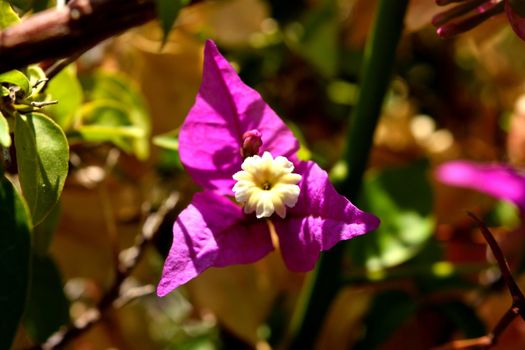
{"points": [[497, 180], [228, 124]]}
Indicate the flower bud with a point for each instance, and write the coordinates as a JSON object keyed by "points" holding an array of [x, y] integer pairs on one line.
{"points": [[251, 142]]}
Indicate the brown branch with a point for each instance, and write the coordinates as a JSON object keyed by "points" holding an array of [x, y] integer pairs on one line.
{"points": [[58, 33], [518, 300], [115, 296], [54, 34]]}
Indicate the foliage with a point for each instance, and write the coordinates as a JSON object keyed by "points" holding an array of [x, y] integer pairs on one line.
{"points": [[15, 230], [167, 12]]}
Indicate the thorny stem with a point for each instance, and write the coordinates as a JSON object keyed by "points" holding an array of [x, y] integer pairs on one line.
{"points": [[379, 60], [518, 300], [115, 297]]}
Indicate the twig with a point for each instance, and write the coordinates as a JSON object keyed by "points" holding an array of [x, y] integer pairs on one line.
{"points": [[107, 208], [518, 300], [59, 65], [115, 297]]}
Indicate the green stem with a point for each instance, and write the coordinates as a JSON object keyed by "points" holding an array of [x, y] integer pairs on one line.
{"points": [[379, 59]]}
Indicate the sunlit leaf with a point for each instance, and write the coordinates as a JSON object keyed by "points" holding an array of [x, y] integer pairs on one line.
{"points": [[5, 138], [104, 133], [402, 198], [503, 214], [168, 141], [66, 89], [167, 12], [116, 102], [8, 17], [15, 246], [36, 77], [17, 78], [47, 307], [109, 121], [42, 153]]}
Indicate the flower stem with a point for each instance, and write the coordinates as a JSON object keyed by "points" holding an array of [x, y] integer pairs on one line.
{"points": [[380, 53]]}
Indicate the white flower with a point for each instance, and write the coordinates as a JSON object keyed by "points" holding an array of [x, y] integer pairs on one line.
{"points": [[266, 185]]}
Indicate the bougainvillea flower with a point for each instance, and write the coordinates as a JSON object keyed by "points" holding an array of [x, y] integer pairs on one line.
{"points": [[256, 193], [497, 180], [467, 14]]}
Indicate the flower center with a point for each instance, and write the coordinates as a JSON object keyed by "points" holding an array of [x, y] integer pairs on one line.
{"points": [[266, 185]]}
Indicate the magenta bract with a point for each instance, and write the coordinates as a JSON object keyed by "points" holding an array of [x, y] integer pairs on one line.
{"points": [[515, 10], [213, 231], [497, 180]]}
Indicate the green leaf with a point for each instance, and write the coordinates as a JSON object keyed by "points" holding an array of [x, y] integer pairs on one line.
{"points": [[34, 5], [388, 312], [5, 138], [43, 233], [440, 274], [66, 89], [43, 154], [463, 317], [167, 12], [47, 307], [21, 4], [99, 133], [504, 214], [36, 76], [15, 230], [402, 198], [41, 5], [117, 102], [318, 42], [109, 121], [8, 16], [169, 141], [17, 78]]}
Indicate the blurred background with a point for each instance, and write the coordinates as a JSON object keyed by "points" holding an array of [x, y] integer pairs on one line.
{"points": [[422, 279]]}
